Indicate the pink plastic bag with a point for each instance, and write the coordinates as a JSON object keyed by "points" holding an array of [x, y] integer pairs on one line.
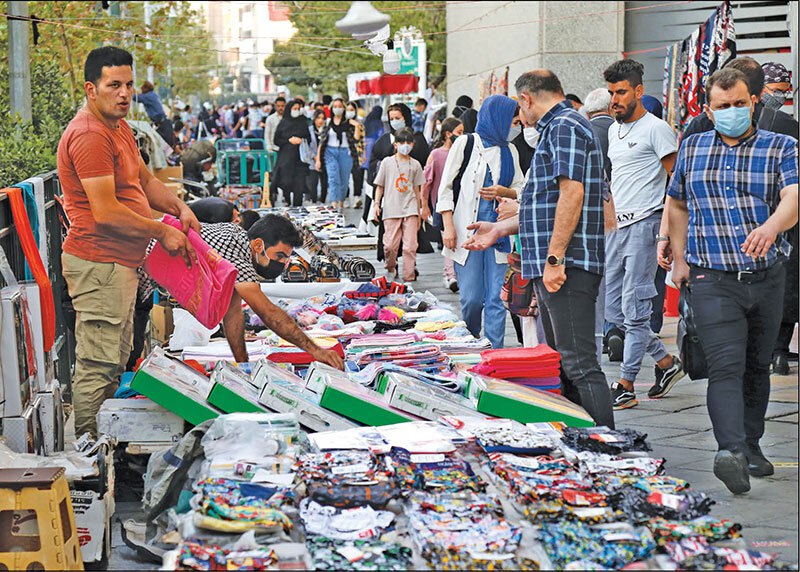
{"points": [[205, 289]]}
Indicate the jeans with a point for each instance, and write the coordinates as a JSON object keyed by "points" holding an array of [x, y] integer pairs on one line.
{"points": [[480, 281], [338, 164], [737, 323], [630, 288], [568, 317]]}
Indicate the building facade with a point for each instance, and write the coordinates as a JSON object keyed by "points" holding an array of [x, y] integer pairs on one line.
{"points": [[246, 33], [577, 40]]}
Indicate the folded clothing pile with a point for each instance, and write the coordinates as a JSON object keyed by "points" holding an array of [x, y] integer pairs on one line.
{"points": [[537, 368], [231, 506], [423, 357]]}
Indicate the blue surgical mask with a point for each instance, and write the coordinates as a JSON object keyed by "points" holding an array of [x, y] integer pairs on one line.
{"points": [[404, 148], [397, 124], [733, 121]]}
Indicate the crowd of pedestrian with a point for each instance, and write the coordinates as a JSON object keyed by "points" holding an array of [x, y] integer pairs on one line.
{"points": [[568, 212]]}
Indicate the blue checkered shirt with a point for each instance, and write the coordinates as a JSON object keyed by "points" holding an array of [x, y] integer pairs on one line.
{"points": [[567, 147], [730, 191]]}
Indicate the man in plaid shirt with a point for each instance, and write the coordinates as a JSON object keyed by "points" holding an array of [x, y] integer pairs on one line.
{"points": [[734, 191], [561, 229]]}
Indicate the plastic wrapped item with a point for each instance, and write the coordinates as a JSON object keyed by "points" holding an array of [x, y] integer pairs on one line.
{"points": [[613, 546], [344, 524], [188, 331], [605, 440], [371, 554], [225, 505], [640, 505], [196, 555], [329, 322], [250, 436]]}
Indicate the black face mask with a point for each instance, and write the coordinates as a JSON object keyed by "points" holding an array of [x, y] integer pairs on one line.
{"points": [[453, 138], [271, 270]]}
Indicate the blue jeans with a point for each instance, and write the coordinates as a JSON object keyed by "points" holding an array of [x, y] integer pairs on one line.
{"points": [[630, 288], [479, 283], [338, 164]]}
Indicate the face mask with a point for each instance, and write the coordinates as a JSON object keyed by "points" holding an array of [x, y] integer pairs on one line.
{"points": [[775, 100], [453, 138], [350, 114], [404, 148], [271, 270], [397, 124], [733, 121], [337, 111], [514, 132], [531, 135], [296, 113], [309, 113]]}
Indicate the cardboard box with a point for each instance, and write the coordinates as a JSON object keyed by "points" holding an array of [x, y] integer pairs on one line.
{"points": [[138, 421], [175, 386], [166, 173], [235, 396], [161, 323], [289, 397], [361, 404], [93, 522], [266, 371], [51, 418], [421, 399], [502, 399], [320, 374]]}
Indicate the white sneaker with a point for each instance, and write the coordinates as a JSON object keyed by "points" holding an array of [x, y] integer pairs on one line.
{"points": [[451, 284], [391, 276]]}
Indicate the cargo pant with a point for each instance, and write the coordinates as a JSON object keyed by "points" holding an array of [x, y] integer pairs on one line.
{"points": [[103, 295], [396, 229]]}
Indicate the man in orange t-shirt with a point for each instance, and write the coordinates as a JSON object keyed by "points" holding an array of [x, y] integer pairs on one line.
{"points": [[108, 194]]}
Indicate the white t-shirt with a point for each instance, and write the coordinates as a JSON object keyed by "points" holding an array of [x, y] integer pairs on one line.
{"points": [[638, 179]]}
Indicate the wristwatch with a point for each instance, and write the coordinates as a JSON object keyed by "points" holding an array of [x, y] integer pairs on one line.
{"points": [[660, 238], [554, 260]]}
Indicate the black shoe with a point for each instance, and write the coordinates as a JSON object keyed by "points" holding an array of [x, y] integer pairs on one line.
{"points": [[780, 364], [666, 379], [757, 464], [731, 469], [791, 356], [622, 398], [615, 340]]}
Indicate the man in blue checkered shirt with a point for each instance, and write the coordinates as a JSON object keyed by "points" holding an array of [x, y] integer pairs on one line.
{"points": [[733, 193], [561, 229]]}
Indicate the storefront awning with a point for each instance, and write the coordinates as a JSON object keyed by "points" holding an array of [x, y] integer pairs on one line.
{"points": [[388, 84]]}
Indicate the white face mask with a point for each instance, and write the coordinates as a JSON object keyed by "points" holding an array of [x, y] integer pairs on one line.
{"points": [[404, 148], [397, 124], [531, 135], [514, 131], [350, 114], [337, 111], [296, 112]]}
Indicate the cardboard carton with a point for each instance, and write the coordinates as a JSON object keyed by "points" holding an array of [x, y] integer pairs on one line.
{"points": [[138, 421], [526, 405], [361, 404], [421, 399], [289, 397]]}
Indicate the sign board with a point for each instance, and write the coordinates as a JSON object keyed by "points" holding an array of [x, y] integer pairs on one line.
{"points": [[414, 60]]}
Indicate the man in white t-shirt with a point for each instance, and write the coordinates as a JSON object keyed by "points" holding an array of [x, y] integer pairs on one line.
{"points": [[642, 150]]}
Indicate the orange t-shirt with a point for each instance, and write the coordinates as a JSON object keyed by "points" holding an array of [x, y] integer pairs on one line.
{"points": [[88, 148]]}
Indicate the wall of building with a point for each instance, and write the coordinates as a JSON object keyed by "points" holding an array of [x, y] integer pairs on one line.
{"points": [[576, 40]]}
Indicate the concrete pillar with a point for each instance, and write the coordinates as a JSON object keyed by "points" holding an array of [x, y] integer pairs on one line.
{"points": [[19, 60]]}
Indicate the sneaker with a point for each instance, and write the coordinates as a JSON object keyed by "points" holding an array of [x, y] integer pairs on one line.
{"points": [[615, 340], [358, 204], [391, 275], [622, 398], [757, 464], [666, 379], [780, 364], [731, 468], [452, 284]]}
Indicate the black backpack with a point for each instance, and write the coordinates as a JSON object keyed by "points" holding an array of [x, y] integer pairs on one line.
{"points": [[691, 351], [457, 181]]}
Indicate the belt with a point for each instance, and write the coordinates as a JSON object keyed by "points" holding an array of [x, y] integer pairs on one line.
{"points": [[747, 276]]}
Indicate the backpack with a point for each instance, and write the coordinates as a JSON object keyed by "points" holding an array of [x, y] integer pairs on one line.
{"points": [[691, 351], [457, 181]]}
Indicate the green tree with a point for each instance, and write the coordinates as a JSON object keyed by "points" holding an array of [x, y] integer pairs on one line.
{"points": [[327, 62]]}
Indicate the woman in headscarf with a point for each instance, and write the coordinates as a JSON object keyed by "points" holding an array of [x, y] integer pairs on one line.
{"points": [[338, 152], [463, 111], [491, 167], [290, 171]]}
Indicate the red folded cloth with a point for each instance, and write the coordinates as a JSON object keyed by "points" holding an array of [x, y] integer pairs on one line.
{"points": [[541, 354], [296, 356], [517, 370]]}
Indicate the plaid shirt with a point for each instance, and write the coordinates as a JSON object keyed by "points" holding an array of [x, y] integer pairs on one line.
{"points": [[567, 147], [730, 191]]}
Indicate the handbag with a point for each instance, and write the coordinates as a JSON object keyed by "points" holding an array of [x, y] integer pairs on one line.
{"points": [[517, 293], [691, 351], [205, 289]]}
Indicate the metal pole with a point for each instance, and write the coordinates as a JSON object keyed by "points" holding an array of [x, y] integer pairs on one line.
{"points": [[19, 60], [148, 17]]}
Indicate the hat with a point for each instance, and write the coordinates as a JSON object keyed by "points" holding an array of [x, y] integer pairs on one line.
{"points": [[776, 73]]}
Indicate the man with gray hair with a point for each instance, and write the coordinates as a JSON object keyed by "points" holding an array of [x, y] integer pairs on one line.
{"points": [[597, 103]]}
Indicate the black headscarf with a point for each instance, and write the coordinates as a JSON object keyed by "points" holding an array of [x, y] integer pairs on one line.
{"points": [[372, 122], [212, 210], [406, 111], [463, 111]]}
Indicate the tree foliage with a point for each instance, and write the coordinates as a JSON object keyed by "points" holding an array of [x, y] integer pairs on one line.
{"points": [[320, 54]]}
